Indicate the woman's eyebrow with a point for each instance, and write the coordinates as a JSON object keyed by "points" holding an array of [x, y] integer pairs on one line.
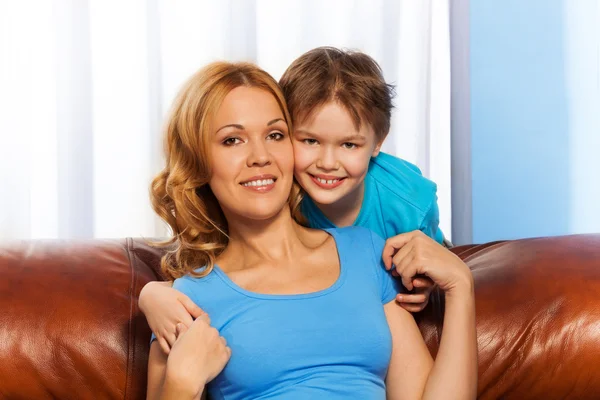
{"points": [[275, 120], [241, 127], [236, 126]]}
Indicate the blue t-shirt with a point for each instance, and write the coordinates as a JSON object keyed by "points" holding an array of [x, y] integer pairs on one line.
{"points": [[331, 344], [397, 199]]}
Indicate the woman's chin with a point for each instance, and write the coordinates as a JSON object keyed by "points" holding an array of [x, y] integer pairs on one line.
{"points": [[262, 213]]}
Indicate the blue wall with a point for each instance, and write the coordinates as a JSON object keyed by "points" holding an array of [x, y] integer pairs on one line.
{"points": [[519, 120]]}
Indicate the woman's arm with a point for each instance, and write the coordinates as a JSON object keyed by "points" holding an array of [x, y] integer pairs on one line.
{"points": [[411, 362], [456, 362], [165, 307], [159, 387], [453, 375], [412, 373], [197, 357]]}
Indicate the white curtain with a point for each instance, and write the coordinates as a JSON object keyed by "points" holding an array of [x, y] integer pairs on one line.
{"points": [[581, 24], [85, 85]]}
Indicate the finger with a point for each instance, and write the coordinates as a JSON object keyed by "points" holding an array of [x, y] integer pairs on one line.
{"points": [[191, 307], [200, 324], [423, 282], [224, 341], [427, 291], [180, 328], [204, 317], [185, 318], [170, 337], [407, 271], [411, 298], [164, 345], [402, 254], [392, 245], [406, 275]]}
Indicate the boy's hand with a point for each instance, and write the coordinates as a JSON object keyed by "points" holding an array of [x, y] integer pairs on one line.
{"points": [[419, 298], [164, 308], [414, 254]]}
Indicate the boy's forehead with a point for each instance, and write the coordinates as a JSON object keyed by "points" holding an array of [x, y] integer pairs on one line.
{"points": [[332, 118]]}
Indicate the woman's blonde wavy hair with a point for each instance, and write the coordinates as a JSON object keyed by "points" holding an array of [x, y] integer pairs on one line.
{"points": [[180, 193]]}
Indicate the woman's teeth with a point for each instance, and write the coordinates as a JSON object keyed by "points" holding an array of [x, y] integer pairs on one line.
{"points": [[263, 182], [328, 181]]}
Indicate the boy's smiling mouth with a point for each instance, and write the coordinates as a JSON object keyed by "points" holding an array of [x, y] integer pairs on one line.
{"points": [[327, 181]]}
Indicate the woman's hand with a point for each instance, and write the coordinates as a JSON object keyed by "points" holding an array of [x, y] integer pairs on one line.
{"points": [[414, 253], [198, 355], [164, 308]]}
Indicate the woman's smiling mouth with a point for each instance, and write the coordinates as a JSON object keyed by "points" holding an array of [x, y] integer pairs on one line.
{"points": [[261, 184]]}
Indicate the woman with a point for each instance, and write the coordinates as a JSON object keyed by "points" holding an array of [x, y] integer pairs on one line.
{"points": [[307, 313]]}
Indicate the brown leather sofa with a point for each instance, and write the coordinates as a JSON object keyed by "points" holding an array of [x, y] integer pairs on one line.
{"points": [[70, 327]]}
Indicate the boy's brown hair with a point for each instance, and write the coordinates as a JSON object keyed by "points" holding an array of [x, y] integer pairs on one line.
{"points": [[351, 78]]}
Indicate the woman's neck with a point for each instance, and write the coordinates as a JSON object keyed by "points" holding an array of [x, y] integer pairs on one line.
{"points": [[344, 211], [278, 240]]}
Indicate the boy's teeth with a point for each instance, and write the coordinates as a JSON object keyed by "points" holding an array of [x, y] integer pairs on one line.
{"points": [[260, 182], [328, 181]]}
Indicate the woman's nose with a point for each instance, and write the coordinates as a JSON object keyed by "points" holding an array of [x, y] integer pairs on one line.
{"points": [[259, 155]]}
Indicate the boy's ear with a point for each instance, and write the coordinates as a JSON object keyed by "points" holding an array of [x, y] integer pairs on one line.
{"points": [[376, 150]]}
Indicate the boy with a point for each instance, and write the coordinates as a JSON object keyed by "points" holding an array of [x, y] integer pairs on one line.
{"points": [[341, 110]]}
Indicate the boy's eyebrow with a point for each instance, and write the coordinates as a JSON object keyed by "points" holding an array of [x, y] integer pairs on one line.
{"points": [[353, 137], [344, 139], [241, 127], [304, 131]]}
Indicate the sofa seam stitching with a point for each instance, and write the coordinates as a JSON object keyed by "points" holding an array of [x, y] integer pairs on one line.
{"points": [[131, 348]]}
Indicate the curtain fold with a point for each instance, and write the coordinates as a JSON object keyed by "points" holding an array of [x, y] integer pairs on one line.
{"points": [[86, 85]]}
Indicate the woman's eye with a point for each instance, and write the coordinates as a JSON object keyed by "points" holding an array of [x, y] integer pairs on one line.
{"points": [[276, 136], [349, 146], [231, 141], [310, 141]]}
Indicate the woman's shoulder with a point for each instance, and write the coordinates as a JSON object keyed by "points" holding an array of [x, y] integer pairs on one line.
{"points": [[200, 277], [355, 237], [350, 231]]}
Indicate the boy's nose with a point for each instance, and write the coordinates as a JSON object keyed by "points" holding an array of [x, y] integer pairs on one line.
{"points": [[327, 161]]}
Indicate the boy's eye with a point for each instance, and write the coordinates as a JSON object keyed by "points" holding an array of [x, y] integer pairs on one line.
{"points": [[349, 146], [232, 141], [277, 136], [310, 141]]}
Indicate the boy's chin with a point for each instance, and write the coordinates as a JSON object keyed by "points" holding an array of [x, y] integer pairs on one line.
{"points": [[325, 197]]}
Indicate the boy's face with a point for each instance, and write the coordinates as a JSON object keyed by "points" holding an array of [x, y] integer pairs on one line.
{"points": [[331, 155]]}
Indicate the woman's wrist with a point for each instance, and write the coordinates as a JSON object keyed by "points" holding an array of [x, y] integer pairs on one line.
{"points": [[463, 289], [177, 386]]}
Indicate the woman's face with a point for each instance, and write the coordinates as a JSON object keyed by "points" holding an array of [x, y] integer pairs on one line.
{"points": [[252, 158]]}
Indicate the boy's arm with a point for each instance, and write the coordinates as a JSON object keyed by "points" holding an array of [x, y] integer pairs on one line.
{"points": [[165, 307], [431, 224]]}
